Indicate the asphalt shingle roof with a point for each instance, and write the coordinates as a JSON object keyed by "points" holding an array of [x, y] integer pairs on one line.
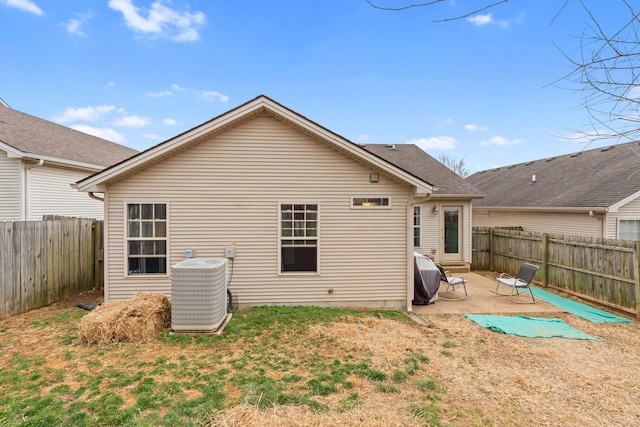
{"points": [[30, 134], [592, 178], [414, 160]]}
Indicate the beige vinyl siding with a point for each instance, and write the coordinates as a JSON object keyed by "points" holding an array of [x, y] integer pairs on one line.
{"points": [[544, 222], [629, 211], [9, 188], [228, 190], [50, 193], [432, 233]]}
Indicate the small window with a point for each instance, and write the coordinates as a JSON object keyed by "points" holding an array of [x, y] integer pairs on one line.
{"points": [[417, 218], [299, 237], [629, 229], [146, 238], [366, 202]]}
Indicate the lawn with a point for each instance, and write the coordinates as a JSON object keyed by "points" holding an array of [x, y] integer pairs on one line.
{"points": [[307, 366]]}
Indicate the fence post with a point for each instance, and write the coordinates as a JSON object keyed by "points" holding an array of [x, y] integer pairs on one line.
{"points": [[636, 277], [491, 249], [545, 258]]}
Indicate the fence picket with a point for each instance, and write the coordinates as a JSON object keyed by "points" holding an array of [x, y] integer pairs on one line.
{"points": [[42, 262], [596, 269]]}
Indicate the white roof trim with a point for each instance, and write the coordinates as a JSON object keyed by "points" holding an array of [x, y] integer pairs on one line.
{"points": [[621, 203], [97, 181]]}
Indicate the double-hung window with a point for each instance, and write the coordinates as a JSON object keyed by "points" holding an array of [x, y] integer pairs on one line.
{"points": [[629, 229], [146, 238], [298, 237]]}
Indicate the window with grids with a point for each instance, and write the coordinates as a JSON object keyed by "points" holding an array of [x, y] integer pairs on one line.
{"points": [[146, 238], [417, 218], [299, 237], [629, 229]]}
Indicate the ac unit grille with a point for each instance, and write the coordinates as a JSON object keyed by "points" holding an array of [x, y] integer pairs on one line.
{"points": [[198, 294]]}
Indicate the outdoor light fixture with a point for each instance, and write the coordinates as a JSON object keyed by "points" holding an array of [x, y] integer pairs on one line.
{"points": [[435, 210]]}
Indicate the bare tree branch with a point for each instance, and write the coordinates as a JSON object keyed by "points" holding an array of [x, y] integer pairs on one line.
{"points": [[431, 3]]}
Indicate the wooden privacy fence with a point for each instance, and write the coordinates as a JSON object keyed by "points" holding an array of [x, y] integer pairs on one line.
{"points": [[42, 262], [604, 271]]}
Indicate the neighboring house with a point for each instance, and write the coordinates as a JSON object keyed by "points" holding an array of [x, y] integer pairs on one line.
{"points": [[443, 222], [39, 160], [593, 193], [315, 219]]}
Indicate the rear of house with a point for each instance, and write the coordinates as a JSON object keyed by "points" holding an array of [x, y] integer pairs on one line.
{"points": [[592, 193], [314, 218]]}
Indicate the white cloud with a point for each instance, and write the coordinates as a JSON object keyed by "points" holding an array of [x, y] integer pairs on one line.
{"points": [[87, 114], [363, 137], [73, 25], [111, 84], [161, 20], [176, 87], [169, 122], [212, 95], [153, 136], [437, 142], [473, 127], [132, 121], [500, 140], [26, 5], [104, 133], [159, 94], [480, 20]]}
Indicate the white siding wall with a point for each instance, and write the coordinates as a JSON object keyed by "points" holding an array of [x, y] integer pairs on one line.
{"points": [[9, 188], [50, 194], [228, 190], [629, 211], [542, 222]]}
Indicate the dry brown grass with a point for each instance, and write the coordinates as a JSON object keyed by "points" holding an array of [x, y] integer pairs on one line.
{"points": [[488, 378]]}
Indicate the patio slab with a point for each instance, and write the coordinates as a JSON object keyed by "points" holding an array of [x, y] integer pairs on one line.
{"points": [[482, 300]]}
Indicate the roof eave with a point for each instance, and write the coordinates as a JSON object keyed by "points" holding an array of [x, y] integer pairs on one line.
{"points": [[545, 208], [261, 103]]}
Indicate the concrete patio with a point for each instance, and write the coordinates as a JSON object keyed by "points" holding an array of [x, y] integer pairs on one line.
{"points": [[482, 300]]}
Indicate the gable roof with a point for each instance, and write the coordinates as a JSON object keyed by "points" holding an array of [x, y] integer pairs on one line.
{"points": [[26, 136], [414, 160], [259, 105], [593, 179]]}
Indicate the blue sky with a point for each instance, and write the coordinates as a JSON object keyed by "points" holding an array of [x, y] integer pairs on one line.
{"points": [[138, 72]]}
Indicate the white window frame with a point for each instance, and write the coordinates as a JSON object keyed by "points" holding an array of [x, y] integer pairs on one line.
{"points": [[283, 240], [371, 202], [636, 231], [128, 239], [417, 227]]}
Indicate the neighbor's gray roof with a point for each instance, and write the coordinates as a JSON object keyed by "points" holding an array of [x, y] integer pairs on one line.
{"points": [[32, 135], [592, 178], [414, 160]]}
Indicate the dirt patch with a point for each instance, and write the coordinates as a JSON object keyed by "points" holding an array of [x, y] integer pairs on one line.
{"points": [[486, 378]]}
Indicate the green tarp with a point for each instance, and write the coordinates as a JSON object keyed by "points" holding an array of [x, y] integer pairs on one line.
{"points": [[578, 309], [531, 327]]}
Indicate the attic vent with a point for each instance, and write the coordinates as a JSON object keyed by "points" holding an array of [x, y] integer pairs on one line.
{"points": [[576, 154], [550, 159], [607, 149], [511, 167], [391, 146], [528, 163]]}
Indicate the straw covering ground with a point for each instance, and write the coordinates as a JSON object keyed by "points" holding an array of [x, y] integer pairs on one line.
{"points": [[313, 367]]}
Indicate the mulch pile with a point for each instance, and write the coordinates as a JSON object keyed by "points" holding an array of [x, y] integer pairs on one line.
{"points": [[141, 319]]}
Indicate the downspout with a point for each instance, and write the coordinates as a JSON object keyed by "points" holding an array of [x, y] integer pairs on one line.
{"points": [[26, 187], [93, 196], [410, 272]]}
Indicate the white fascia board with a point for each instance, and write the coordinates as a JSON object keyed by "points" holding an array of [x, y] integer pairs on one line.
{"points": [[96, 182], [621, 203], [541, 209], [421, 188]]}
